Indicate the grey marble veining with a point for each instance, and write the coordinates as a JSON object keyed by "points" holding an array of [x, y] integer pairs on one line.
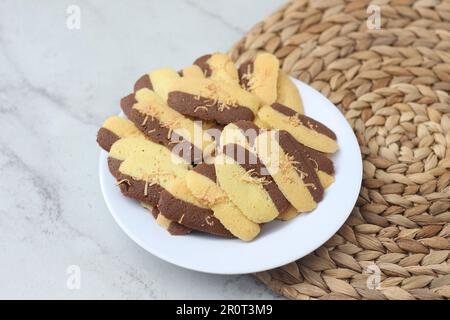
{"points": [[56, 87]]}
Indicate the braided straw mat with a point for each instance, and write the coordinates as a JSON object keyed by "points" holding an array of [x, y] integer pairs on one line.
{"points": [[393, 86]]}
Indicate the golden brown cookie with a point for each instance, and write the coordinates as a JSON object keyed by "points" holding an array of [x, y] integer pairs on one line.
{"points": [[305, 130], [166, 126], [201, 181], [260, 77], [288, 93], [212, 100]]}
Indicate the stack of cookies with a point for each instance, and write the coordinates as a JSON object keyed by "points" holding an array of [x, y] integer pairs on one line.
{"points": [[218, 149]]}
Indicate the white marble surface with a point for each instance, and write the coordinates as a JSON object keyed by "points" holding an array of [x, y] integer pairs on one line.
{"points": [[56, 88]]}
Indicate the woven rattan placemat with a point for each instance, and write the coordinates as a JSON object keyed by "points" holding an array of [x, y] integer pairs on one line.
{"points": [[393, 85]]}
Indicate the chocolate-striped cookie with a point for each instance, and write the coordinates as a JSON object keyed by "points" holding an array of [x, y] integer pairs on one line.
{"points": [[149, 175], [193, 71], [201, 181], [261, 76], [160, 164], [212, 100], [292, 173], [306, 130], [174, 228], [164, 125], [241, 132], [115, 128], [157, 80], [319, 161], [147, 194], [245, 179], [178, 204], [218, 66], [289, 214]]}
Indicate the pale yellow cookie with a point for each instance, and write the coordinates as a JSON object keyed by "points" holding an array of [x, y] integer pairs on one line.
{"points": [[160, 79], [326, 179], [289, 214], [218, 66], [288, 93], [162, 124], [207, 191], [292, 173], [146, 160], [115, 128], [247, 190], [121, 127], [233, 134], [212, 100], [192, 72], [307, 131], [260, 77], [177, 203]]}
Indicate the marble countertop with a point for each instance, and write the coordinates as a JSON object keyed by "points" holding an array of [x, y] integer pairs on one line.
{"points": [[57, 85]]}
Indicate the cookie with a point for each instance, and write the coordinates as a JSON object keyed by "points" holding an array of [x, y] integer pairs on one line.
{"points": [[178, 204], [288, 93], [291, 171], [164, 125], [157, 80], [125, 147], [253, 158], [305, 130], [214, 130], [218, 66], [319, 161], [288, 214], [150, 176], [174, 228], [241, 132], [202, 182], [241, 174], [147, 193], [260, 77], [258, 122], [113, 129], [213, 127], [326, 179], [143, 167], [120, 150], [193, 71], [212, 100]]}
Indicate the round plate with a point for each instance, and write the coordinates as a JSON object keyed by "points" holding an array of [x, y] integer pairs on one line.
{"points": [[279, 242]]}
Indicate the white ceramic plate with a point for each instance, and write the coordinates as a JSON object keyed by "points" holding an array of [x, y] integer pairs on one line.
{"points": [[279, 242]]}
